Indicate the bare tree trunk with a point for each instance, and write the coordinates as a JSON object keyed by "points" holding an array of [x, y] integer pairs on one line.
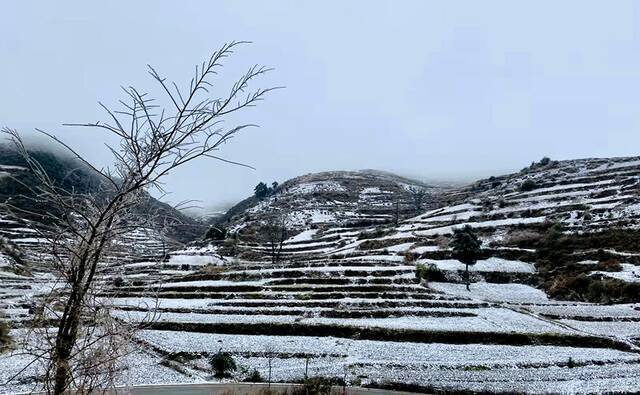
{"points": [[279, 250], [466, 265], [269, 372], [81, 227], [396, 216], [64, 348]]}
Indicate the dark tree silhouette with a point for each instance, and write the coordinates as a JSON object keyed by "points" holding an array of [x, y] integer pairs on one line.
{"points": [[273, 233], [261, 191], [466, 248]]}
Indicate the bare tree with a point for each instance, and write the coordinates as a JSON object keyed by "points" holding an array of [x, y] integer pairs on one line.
{"points": [[82, 352], [269, 354], [418, 196], [396, 210], [274, 232]]}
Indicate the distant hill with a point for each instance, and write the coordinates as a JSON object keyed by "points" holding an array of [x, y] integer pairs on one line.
{"points": [[583, 194], [577, 220], [69, 173], [336, 198]]}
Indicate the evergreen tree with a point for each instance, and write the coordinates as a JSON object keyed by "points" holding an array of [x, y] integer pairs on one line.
{"points": [[216, 233], [261, 191], [466, 248]]}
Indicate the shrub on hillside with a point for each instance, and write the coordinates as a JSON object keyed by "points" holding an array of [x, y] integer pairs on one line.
{"points": [[373, 234], [376, 244], [528, 185], [254, 377], [118, 281], [216, 233], [609, 265], [222, 364], [262, 191], [429, 272], [410, 257], [523, 238], [594, 289]]}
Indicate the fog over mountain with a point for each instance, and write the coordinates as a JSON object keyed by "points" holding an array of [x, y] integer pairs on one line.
{"points": [[447, 91]]}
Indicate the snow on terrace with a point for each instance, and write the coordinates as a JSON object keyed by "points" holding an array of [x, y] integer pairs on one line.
{"points": [[594, 202], [490, 320], [558, 196], [511, 293], [487, 265], [313, 216], [138, 368], [610, 166], [313, 187], [372, 190], [485, 224], [378, 352], [530, 368], [195, 260], [454, 367], [629, 273], [465, 215], [212, 283], [587, 311], [561, 187], [326, 269], [276, 304], [621, 330], [446, 210], [306, 235]]}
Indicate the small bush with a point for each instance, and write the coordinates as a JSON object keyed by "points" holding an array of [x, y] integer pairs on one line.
{"points": [[254, 377], [410, 257], [222, 364], [374, 234], [216, 233], [118, 282], [609, 265], [528, 185], [476, 368], [523, 238], [429, 272]]}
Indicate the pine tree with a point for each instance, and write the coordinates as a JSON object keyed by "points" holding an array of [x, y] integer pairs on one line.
{"points": [[261, 191], [466, 248]]}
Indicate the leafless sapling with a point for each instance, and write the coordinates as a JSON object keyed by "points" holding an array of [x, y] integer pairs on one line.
{"points": [[83, 350], [273, 232]]}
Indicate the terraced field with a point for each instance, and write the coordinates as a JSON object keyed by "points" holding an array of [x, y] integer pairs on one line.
{"points": [[344, 301], [362, 314]]}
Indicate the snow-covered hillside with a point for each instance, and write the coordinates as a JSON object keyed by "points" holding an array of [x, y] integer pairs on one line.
{"points": [[338, 198], [344, 298]]}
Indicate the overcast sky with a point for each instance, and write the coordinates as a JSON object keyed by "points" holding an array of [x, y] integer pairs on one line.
{"points": [[437, 90]]}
